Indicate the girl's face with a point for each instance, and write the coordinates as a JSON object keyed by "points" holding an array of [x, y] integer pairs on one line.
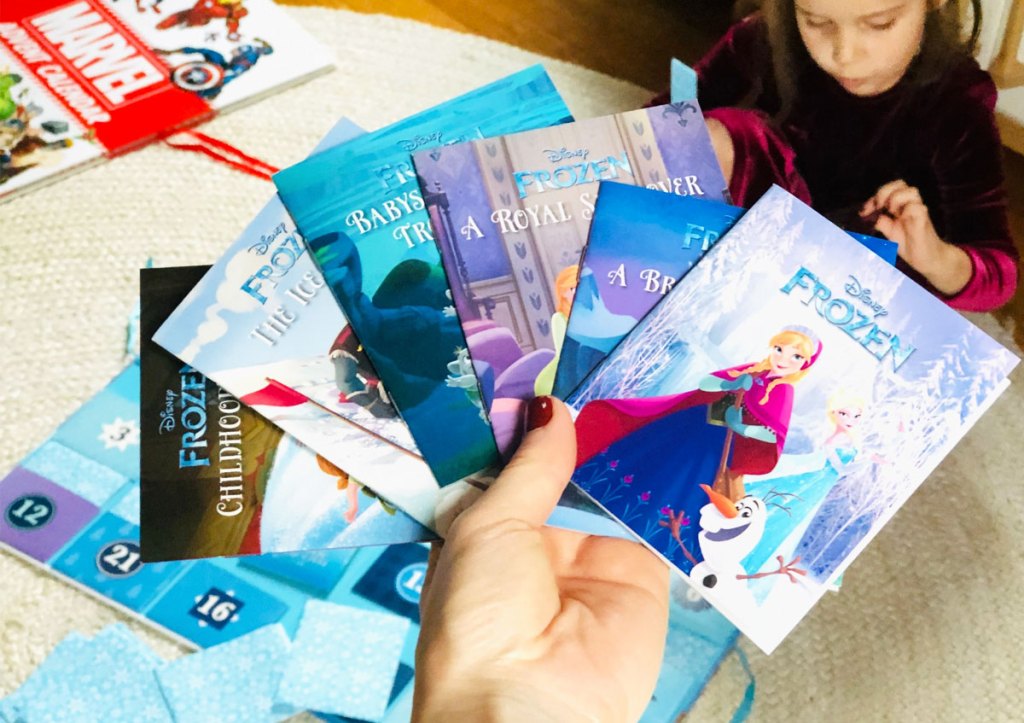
{"points": [[847, 418], [568, 293], [865, 45], [786, 359]]}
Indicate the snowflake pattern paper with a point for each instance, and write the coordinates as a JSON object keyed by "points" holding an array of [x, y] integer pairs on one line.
{"points": [[109, 678], [230, 682], [343, 661]]}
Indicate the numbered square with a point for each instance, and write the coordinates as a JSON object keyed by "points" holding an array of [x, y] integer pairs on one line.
{"points": [[38, 516]]}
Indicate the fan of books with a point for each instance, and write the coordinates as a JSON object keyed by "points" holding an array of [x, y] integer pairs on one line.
{"points": [[756, 391]]}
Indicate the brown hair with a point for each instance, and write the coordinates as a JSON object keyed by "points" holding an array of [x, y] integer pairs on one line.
{"points": [[942, 46]]}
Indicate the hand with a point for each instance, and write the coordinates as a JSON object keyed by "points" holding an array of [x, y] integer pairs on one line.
{"points": [[734, 418], [743, 381], [711, 383], [901, 216], [526, 622]]}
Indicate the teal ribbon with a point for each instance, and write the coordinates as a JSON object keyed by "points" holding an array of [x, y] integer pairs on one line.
{"points": [[747, 704]]}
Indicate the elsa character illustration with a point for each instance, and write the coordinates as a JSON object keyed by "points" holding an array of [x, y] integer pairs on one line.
{"points": [[565, 289], [663, 448], [793, 499], [844, 518]]}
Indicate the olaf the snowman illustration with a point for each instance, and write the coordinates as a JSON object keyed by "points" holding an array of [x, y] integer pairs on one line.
{"points": [[729, 532]]}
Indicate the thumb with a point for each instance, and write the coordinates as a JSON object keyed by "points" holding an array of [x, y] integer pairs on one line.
{"points": [[531, 483]]}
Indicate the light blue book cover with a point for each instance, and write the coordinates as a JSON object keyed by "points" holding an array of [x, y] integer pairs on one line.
{"points": [[511, 216], [771, 414], [641, 242], [263, 325], [362, 214]]}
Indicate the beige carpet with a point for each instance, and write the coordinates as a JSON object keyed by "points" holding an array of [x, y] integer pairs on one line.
{"points": [[929, 625]]}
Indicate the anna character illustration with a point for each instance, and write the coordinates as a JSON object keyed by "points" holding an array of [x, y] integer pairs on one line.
{"points": [[733, 424], [793, 499], [565, 289]]}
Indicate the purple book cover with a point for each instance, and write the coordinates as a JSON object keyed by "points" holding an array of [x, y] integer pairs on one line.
{"points": [[512, 215]]}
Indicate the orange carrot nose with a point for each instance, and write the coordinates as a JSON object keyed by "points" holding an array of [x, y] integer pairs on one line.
{"points": [[723, 503]]}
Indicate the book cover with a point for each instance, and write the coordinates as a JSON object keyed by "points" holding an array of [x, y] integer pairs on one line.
{"points": [[218, 479], [263, 325], [83, 80], [512, 214], [641, 242], [772, 413], [364, 218]]}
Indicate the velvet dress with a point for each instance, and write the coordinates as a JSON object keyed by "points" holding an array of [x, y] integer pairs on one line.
{"points": [[834, 150]]}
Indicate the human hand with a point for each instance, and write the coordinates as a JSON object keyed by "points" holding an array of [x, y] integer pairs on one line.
{"points": [[900, 215], [526, 622], [743, 381], [711, 383], [734, 418]]}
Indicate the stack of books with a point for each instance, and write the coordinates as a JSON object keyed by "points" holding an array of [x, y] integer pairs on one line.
{"points": [[84, 80], [756, 392]]}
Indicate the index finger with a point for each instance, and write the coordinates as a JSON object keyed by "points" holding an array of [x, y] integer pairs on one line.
{"points": [[882, 195]]}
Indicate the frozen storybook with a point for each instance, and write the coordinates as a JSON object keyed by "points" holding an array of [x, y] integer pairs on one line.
{"points": [[361, 212], [641, 242], [511, 216], [82, 80], [775, 409], [262, 325], [218, 479]]}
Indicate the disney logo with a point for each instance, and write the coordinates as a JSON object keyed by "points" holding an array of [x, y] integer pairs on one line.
{"points": [[564, 154], [263, 245], [855, 289], [167, 413], [420, 140]]}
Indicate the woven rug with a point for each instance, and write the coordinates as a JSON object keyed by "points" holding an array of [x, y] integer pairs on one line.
{"points": [[927, 626]]}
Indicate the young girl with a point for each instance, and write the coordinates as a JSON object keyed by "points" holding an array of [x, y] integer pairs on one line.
{"points": [[875, 113]]}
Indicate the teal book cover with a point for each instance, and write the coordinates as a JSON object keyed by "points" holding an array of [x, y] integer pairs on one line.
{"points": [[364, 217]]}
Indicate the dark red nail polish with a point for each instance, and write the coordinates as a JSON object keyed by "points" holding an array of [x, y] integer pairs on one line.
{"points": [[539, 413]]}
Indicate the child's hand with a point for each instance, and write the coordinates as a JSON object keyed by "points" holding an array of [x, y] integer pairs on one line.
{"points": [[900, 215], [526, 622]]}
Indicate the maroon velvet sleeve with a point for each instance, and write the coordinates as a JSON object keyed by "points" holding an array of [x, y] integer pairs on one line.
{"points": [[731, 69], [967, 162]]}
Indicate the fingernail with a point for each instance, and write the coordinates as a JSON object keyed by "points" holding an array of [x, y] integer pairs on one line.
{"points": [[539, 412]]}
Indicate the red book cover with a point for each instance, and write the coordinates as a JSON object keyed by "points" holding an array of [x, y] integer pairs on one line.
{"points": [[83, 80]]}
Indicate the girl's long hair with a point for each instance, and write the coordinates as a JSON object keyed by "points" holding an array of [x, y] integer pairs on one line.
{"points": [[942, 46], [565, 281], [783, 338]]}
